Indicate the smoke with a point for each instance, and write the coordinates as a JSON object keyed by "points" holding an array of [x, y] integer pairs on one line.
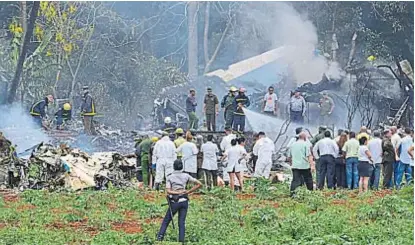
{"points": [[18, 126], [283, 26]]}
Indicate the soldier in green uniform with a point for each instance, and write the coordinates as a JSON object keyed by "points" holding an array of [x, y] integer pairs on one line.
{"points": [[326, 109]]}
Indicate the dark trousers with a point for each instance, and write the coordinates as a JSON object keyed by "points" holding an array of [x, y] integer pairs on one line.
{"points": [[211, 122], [211, 177], [340, 173], [238, 122], [296, 117], [194, 175], [375, 177], [326, 171], [180, 207], [301, 176]]}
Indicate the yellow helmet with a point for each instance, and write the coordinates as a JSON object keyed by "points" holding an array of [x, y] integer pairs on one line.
{"points": [[179, 131], [233, 89], [66, 106], [155, 139], [371, 58]]}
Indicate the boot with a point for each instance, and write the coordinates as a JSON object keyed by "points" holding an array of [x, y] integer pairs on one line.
{"points": [[157, 186]]}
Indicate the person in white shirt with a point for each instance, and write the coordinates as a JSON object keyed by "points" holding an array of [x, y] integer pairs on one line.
{"points": [[365, 166], [210, 164], [234, 154], [225, 144], [327, 150], [263, 148], [164, 155], [375, 148], [189, 156], [270, 105]]}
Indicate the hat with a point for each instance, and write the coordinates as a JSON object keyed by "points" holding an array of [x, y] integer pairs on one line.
{"points": [[192, 90], [209, 89], [228, 128], [85, 87], [322, 127]]}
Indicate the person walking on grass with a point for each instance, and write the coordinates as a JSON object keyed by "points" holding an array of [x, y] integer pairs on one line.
{"points": [[365, 166], [302, 164], [178, 198]]}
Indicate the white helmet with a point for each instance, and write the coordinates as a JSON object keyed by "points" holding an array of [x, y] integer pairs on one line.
{"points": [[167, 120]]}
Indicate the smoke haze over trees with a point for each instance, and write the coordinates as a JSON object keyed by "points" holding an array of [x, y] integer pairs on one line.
{"points": [[128, 51]]}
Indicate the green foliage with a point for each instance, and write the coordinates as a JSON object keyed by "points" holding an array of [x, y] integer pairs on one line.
{"points": [[217, 217]]}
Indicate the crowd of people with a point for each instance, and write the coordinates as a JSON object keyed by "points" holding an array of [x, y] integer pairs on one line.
{"points": [[352, 160], [221, 163]]}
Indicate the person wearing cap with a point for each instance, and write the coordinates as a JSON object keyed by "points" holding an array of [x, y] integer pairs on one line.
{"points": [[191, 104], [227, 105], [211, 109], [62, 115], [297, 108], [270, 105], [88, 112], [241, 101], [38, 109], [164, 154], [179, 140], [169, 126], [189, 153], [326, 108]]}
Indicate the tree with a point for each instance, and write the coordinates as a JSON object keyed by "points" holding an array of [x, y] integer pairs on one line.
{"points": [[193, 8], [30, 26]]}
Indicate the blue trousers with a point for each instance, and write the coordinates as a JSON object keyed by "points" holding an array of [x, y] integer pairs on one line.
{"points": [[238, 122], [375, 177], [401, 170], [296, 117], [180, 207], [352, 175]]}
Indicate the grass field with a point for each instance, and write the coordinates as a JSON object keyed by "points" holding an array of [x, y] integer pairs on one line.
{"points": [[264, 216]]}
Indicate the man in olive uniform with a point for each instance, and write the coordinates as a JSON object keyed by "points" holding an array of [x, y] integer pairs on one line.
{"points": [[144, 147], [326, 109], [227, 105], [211, 109]]}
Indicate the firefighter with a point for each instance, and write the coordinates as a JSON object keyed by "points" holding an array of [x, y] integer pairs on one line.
{"points": [[241, 101], [168, 126], [38, 109], [62, 115], [227, 104], [88, 111]]}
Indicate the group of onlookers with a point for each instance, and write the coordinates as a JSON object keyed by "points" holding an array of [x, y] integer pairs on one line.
{"points": [[353, 160]]}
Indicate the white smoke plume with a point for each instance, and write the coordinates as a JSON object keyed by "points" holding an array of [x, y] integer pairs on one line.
{"points": [[283, 26], [18, 126]]}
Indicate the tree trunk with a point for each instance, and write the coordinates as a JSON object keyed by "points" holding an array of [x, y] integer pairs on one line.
{"points": [[215, 54], [192, 41], [16, 79], [23, 20], [206, 34], [352, 50]]}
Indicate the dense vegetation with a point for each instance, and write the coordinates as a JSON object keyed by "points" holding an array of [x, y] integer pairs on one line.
{"points": [[264, 216], [126, 52]]}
